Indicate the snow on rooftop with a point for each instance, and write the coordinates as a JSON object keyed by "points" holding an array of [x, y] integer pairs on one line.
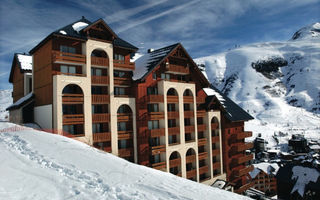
{"points": [[303, 175], [141, 66], [268, 168], [63, 32], [79, 26], [21, 100], [40, 165], [25, 61]]}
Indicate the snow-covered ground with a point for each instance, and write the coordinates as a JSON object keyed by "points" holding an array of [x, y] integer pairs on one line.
{"points": [[276, 82], [5, 101], [39, 165]]}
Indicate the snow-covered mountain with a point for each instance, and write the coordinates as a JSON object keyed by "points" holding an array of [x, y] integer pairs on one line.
{"points": [[276, 82], [40, 165], [5, 101]]}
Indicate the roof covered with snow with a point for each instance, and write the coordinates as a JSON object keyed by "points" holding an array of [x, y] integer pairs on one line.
{"points": [[147, 62], [75, 30], [268, 168], [21, 102], [24, 62], [232, 111]]}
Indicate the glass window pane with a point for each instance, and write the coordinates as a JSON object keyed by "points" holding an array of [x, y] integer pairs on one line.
{"points": [[72, 69], [64, 69], [98, 72], [150, 127]]}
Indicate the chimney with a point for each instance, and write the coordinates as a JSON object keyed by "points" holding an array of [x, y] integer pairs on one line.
{"points": [[150, 50]]}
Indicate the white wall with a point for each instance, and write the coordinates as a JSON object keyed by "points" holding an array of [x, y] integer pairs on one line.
{"points": [[43, 116]]}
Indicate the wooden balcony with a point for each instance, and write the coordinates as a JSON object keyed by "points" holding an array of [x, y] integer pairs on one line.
{"points": [[189, 129], [125, 152], [155, 115], [55, 72], [101, 117], [214, 126], [216, 165], [154, 98], [177, 69], [201, 127], [203, 155], [73, 119], [187, 99], [158, 149], [175, 162], [202, 141], [125, 135], [102, 137], [100, 80], [201, 113], [242, 159], [188, 114], [240, 171], [191, 173], [72, 98], [159, 166], [122, 81], [174, 131], [121, 64], [172, 99], [241, 135], [173, 114], [100, 99], [157, 132], [201, 100], [244, 187], [244, 146], [215, 152], [190, 158], [99, 61], [215, 139], [107, 149], [203, 169], [62, 57], [124, 117]]}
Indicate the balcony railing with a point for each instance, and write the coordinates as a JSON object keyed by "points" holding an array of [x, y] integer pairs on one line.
{"points": [[122, 81], [203, 155], [244, 187], [241, 135], [155, 115], [190, 158], [101, 117], [157, 132], [172, 99], [72, 98], [240, 171], [175, 162], [189, 129], [158, 149], [214, 125], [243, 147], [73, 119], [155, 98], [99, 79], [191, 173], [202, 141], [178, 69], [100, 99], [187, 99], [159, 166], [99, 61], [120, 64], [173, 114], [215, 139], [216, 165], [201, 127], [124, 117], [125, 135], [201, 113], [55, 72], [174, 131], [188, 114], [63, 57], [203, 169], [215, 152], [125, 152], [102, 137], [242, 159]]}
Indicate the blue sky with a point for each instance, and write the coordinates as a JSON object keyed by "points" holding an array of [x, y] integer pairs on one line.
{"points": [[203, 27]]}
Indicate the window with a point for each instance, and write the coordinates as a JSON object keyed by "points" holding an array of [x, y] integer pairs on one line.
{"points": [[122, 144], [152, 90], [187, 121], [71, 109], [99, 90], [119, 74], [153, 108], [122, 126], [171, 107], [68, 69], [67, 49], [119, 91], [69, 129], [171, 123], [154, 124], [155, 158], [118, 57], [165, 76], [96, 72], [154, 76], [186, 107], [172, 139], [97, 128], [99, 109], [154, 141]]}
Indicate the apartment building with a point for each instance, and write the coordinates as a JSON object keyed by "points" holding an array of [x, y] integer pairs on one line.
{"points": [[160, 111]]}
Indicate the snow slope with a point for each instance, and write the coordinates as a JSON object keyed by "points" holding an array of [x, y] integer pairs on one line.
{"points": [[5, 101], [276, 82], [39, 165]]}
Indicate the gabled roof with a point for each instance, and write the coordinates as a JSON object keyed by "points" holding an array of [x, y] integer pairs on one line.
{"points": [[22, 101], [231, 110], [24, 62], [75, 30]]}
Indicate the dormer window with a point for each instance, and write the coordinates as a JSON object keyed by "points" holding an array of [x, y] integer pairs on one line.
{"points": [[118, 57]]}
